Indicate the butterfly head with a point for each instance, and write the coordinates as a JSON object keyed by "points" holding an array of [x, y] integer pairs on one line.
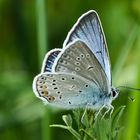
{"points": [[114, 93]]}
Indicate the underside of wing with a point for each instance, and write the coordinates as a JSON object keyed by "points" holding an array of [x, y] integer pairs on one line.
{"points": [[65, 90], [49, 60], [78, 59], [88, 28]]}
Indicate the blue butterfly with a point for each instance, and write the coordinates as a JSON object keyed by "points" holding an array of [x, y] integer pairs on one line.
{"points": [[79, 74]]}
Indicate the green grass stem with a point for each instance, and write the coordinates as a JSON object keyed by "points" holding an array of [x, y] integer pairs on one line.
{"points": [[41, 29], [124, 53], [42, 49], [133, 108]]}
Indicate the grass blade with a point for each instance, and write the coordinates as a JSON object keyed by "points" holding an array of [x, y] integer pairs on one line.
{"points": [[41, 30], [124, 53], [115, 119], [42, 49], [133, 108]]}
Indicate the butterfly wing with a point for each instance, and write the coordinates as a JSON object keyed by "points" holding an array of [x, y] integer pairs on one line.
{"points": [[49, 60], [88, 28], [65, 90], [77, 58]]}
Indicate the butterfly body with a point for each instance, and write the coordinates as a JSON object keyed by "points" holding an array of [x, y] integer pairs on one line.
{"points": [[78, 75]]}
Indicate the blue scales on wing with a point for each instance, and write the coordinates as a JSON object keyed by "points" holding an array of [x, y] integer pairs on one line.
{"points": [[49, 60]]}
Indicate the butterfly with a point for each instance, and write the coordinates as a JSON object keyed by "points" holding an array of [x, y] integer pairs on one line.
{"points": [[79, 74]]}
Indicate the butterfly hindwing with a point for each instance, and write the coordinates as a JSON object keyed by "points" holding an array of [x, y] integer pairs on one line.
{"points": [[49, 60], [77, 58], [65, 90], [88, 28]]}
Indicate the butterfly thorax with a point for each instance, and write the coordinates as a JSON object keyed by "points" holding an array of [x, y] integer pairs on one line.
{"points": [[104, 99]]}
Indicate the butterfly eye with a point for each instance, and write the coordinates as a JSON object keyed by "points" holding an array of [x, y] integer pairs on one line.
{"points": [[114, 93]]}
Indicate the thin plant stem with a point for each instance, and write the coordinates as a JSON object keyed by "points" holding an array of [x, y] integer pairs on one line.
{"points": [[124, 53], [133, 108], [42, 49], [41, 29]]}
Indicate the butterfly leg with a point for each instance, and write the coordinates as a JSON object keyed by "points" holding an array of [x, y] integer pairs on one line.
{"points": [[112, 109], [86, 108], [109, 108], [96, 115], [82, 118]]}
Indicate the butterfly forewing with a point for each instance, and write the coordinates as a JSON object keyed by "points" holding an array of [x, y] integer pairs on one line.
{"points": [[77, 58], [65, 90], [89, 29], [49, 60]]}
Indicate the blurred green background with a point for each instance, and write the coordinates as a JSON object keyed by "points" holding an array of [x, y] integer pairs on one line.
{"points": [[29, 28]]}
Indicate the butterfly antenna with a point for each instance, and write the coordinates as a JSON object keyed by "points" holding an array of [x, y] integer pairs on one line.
{"points": [[130, 88]]}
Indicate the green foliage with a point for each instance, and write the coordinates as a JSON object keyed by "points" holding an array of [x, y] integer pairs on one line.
{"points": [[138, 137], [89, 128]]}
